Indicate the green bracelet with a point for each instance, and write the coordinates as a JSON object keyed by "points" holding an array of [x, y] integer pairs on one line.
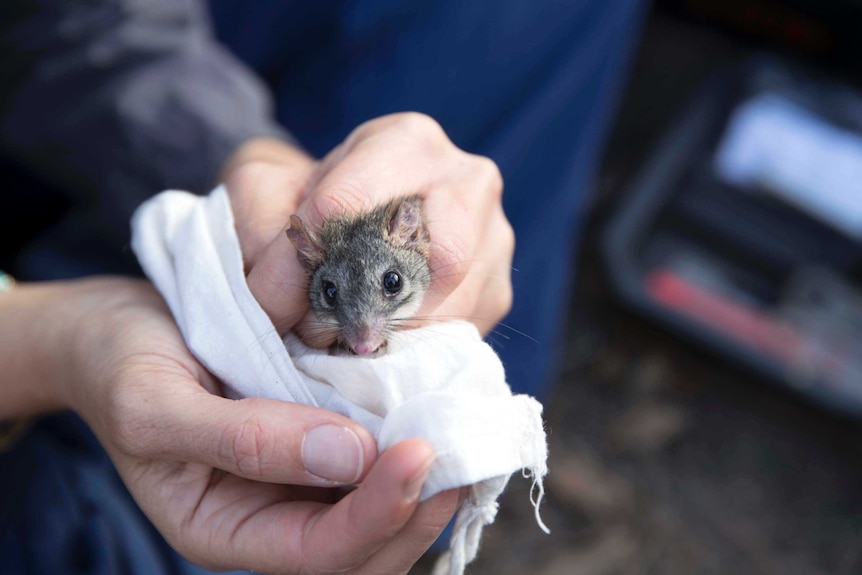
{"points": [[6, 281]]}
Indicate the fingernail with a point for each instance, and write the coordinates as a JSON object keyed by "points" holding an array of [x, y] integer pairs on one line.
{"points": [[333, 453], [413, 487]]}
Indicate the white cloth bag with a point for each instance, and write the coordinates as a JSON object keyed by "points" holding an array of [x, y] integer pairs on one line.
{"points": [[441, 383]]}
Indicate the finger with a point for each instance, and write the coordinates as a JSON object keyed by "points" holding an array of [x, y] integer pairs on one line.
{"points": [[339, 152], [260, 439], [263, 196], [424, 527], [279, 283], [460, 218], [261, 201], [309, 537], [484, 296], [265, 180], [391, 156], [220, 521], [376, 513]]}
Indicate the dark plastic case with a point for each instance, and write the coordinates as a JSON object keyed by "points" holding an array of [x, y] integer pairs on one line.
{"points": [[745, 274]]}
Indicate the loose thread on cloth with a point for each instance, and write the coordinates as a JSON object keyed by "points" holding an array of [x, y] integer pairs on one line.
{"points": [[538, 487]]}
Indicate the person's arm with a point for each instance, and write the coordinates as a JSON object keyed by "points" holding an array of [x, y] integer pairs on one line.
{"points": [[126, 99], [230, 483], [117, 101]]}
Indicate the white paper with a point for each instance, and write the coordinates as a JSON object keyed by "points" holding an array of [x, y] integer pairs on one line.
{"points": [[776, 145]]}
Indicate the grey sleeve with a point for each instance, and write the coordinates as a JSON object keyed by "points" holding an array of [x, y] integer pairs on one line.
{"points": [[116, 100]]}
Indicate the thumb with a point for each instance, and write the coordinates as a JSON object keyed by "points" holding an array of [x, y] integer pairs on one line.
{"points": [[260, 439]]}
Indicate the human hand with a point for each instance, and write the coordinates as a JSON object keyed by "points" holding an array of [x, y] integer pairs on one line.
{"points": [[471, 241], [250, 483]]}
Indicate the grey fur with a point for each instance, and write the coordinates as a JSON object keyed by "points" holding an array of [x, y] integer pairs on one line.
{"points": [[354, 254]]}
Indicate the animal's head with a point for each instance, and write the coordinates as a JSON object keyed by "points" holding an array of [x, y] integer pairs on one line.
{"points": [[367, 274]]}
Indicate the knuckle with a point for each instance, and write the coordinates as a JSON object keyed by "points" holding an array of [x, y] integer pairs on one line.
{"points": [[420, 123], [425, 131], [248, 447], [491, 173], [344, 197], [373, 126]]}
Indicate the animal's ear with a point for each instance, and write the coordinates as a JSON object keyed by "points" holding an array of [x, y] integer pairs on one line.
{"points": [[309, 249], [407, 227]]}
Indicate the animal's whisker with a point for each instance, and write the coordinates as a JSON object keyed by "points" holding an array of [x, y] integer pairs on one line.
{"points": [[473, 273], [443, 318]]}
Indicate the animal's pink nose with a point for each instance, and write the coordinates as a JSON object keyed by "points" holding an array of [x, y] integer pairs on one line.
{"points": [[365, 348], [366, 339]]}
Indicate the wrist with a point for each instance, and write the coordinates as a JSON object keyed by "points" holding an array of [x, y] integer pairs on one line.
{"points": [[32, 323]]}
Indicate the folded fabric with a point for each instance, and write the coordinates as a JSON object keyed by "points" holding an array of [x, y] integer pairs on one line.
{"points": [[441, 383]]}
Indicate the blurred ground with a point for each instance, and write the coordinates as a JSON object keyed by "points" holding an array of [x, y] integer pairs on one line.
{"points": [[664, 459]]}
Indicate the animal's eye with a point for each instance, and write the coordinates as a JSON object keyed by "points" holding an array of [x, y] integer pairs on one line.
{"points": [[391, 282], [329, 292]]}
